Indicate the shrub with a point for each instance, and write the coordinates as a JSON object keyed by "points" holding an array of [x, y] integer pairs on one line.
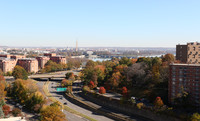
{"points": [[195, 117], [86, 88], [158, 102], [16, 112], [140, 105], [91, 85], [102, 90], [124, 91], [6, 109]]}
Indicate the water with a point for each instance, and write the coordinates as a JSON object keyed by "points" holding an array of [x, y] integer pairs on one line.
{"points": [[100, 59]]}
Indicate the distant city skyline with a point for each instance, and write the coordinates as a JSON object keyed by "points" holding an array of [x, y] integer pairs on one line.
{"points": [[113, 23]]}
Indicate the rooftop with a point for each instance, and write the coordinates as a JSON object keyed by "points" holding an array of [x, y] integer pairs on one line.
{"points": [[184, 64]]}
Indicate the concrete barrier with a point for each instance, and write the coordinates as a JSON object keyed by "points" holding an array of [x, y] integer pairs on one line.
{"points": [[95, 109]]}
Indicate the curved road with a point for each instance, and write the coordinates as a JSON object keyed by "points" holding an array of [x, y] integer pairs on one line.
{"points": [[73, 117], [69, 116]]}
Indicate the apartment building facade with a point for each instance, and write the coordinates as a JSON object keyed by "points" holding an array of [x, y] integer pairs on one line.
{"points": [[29, 64], [42, 60], [49, 54], [59, 59], [189, 53], [7, 64], [184, 77]]}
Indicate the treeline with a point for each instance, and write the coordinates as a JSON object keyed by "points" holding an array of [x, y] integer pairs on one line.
{"points": [[51, 66], [74, 63], [142, 77]]}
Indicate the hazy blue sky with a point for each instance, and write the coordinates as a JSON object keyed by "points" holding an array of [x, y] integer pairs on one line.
{"points": [[125, 23]]}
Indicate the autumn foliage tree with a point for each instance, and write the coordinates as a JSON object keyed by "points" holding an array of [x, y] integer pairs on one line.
{"points": [[158, 102], [102, 90], [70, 76], [2, 87], [52, 113], [20, 73], [124, 91], [91, 85], [6, 109], [26, 91]]}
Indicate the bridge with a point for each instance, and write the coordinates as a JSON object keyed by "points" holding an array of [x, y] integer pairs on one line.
{"points": [[60, 74]]}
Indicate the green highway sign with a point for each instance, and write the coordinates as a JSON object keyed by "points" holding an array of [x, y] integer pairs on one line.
{"points": [[61, 89]]}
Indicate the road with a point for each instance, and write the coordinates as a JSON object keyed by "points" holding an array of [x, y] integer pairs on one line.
{"points": [[69, 116], [57, 95]]}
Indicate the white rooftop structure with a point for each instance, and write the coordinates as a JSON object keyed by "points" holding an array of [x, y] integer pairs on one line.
{"points": [[13, 119]]}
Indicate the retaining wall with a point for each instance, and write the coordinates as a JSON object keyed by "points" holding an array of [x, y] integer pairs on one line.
{"points": [[125, 108]]}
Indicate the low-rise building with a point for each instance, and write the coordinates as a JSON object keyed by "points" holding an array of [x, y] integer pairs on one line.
{"points": [[29, 64], [184, 77], [42, 60]]}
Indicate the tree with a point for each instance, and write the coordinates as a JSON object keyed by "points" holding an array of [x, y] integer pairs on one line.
{"points": [[168, 58], [20, 73], [91, 85], [158, 102], [102, 90], [2, 87], [124, 91], [26, 91], [70, 75], [52, 113], [66, 83], [125, 61], [115, 79], [195, 117], [90, 63]]}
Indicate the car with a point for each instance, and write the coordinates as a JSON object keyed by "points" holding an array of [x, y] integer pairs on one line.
{"points": [[61, 98], [65, 103]]}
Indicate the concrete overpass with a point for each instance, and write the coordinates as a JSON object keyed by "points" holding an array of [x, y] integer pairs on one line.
{"points": [[60, 74]]}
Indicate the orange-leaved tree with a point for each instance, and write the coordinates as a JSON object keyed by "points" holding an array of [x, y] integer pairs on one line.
{"points": [[102, 90], [158, 102], [91, 85], [124, 91]]}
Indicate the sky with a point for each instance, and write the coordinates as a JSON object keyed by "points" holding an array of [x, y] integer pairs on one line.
{"points": [[99, 23]]}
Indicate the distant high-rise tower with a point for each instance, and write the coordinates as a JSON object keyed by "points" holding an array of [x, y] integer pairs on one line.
{"points": [[76, 45]]}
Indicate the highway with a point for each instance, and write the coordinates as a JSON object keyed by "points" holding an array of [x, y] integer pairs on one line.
{"points": [[69, 116], [60, 98], [76, 90]]}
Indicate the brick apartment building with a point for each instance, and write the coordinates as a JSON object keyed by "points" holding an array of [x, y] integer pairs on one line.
{"points": [[56, 58], [7, 64], [42, 60], [5, 55], [187, 77], [50, 54], [29, 64], [189, 53], [16, 57], [59, 59]]}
